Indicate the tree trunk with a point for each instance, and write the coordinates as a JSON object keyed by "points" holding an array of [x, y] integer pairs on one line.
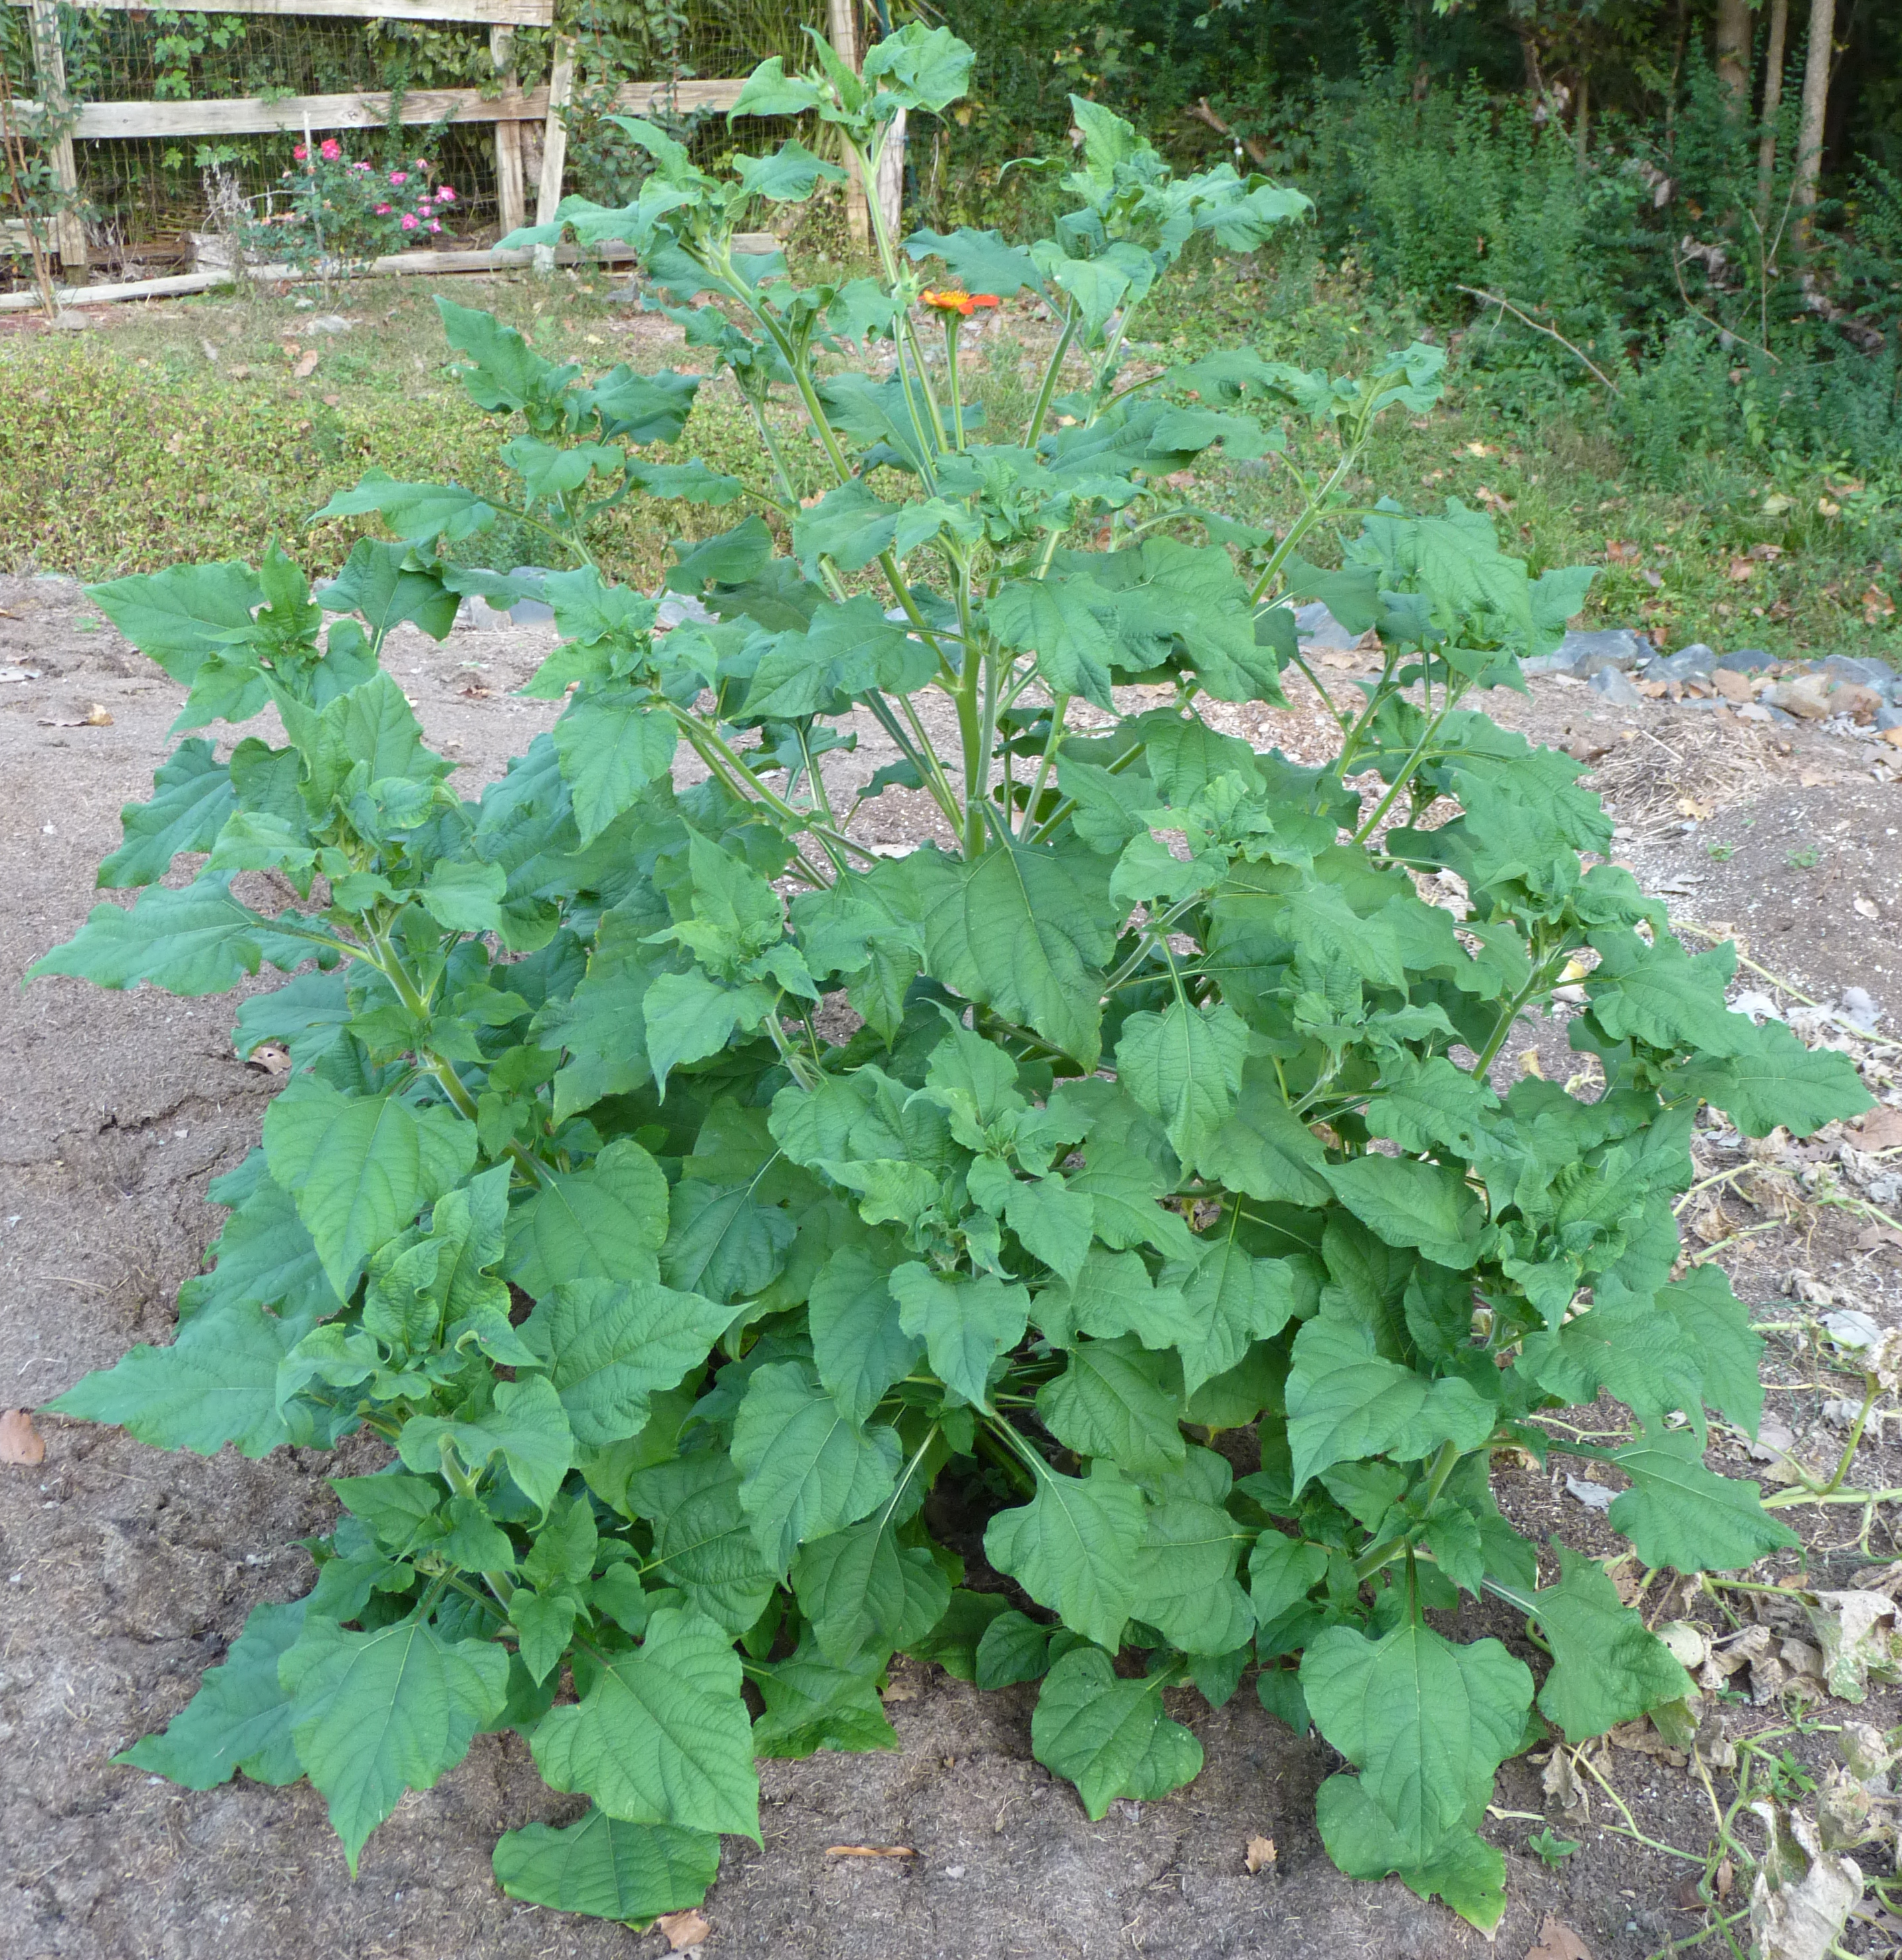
{"points": [[1772, 105], [1816, 96], [1581, 122], [1733, 52]]}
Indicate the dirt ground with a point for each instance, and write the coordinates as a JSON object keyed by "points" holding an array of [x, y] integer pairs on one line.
{"points": [[124, 1572]]}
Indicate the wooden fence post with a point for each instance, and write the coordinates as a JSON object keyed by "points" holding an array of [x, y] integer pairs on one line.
{"points": [[841, 29], [512, 196], [561, 89], [50, 65]]}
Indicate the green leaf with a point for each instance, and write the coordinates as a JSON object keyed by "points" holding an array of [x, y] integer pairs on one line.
{"points": [[1771, 1078], [215, 1384], [192, 797], [1229, 1302], [1114, 1400], [1074, 649], [1464, 1870], [807, 1469], [417, 513], [921, 67], [1426, 1722], [544, 1625], [1265, 1150], [1111, 1294], [1110, 1737], [1054, 1222], [239, 1719], [1345, 1402], [690, 1015], [661, 1736], [388, 583], [1607, 1666], [859, 1345], [612, 745], [1026, 930], [528, 1428], [196, 940], [1679, 1513], [1185, 1585], [703, 1541], [732, 558], [1423, 1104], [360, 1167], [1407, 1202], [607, 1221], [1013, 1648], [375, 1714], [721, 1241], [1624, 1342], [860, 1588], [609, 1344], [1715, 1324], [632, 1873], [811, 1704], [1281, 1572], [183, 616], [1073, 1548], [1184, 1066], [965, 1324], [981, 261]]}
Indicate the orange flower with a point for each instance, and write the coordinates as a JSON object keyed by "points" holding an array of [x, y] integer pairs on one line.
{"points": [[953, 299]]}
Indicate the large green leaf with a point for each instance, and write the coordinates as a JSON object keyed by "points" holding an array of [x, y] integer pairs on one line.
{"points": [[360, 1167], [1345, 1401], [1771, 1079], [1184, 1066], [601, 1866], [1186, 1584], [607, 1221], [1025, 929], [1607, 1666], [1408, 1202], [1074, 649], [197, 940], [215, 1384], [1715, 1324], [703, 1540], [661, 1736], [860, 1588], [1426, 1722], [1679, 1513], [809, 1469], [239, 1719], [612, 746], [611, 1344], [1229, 1302], [1109, 1736], [722, 1242], [182, 616], [858, 1343], [192, 797], [965, 1324], [1114, 1399], [375, 1714], [1073, 1548], [1464, 1870], [814, 1703]]}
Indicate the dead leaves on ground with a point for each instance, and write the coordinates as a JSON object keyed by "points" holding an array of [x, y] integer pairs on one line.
{"points": [[1557, 1941], [682, 1930], [20, 1442], [1260, 1856]]}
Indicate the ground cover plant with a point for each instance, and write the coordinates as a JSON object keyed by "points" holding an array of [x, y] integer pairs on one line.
{"points": [[1158, 1143]]}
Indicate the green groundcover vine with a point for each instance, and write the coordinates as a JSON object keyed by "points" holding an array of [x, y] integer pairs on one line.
{"points": [[1153, 1199]]}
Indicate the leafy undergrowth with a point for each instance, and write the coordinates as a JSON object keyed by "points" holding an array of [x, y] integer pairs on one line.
{"points": [[684, 1190]]}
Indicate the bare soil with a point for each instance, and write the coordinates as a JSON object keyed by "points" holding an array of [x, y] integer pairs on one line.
{"points": [[124, 1572]]}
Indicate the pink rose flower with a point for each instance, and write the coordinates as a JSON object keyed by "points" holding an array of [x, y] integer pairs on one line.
{"points": [[300, 153], [408, 220], [445, 195], [435, 224], [330, 149], [399, 177], [383, 210]]}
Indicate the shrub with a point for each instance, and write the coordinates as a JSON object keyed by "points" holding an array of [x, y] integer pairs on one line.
{"points": [[1160, 1141]]}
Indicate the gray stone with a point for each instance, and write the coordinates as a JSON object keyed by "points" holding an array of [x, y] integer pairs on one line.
{"points": [[1889, 715], [1612, 683], [1695, 662], [1588, 653], [1315, 626], [1747, 660], [1846, 666], [529, 612]]}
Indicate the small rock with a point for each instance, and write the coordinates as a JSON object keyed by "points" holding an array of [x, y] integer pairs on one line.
{"points": [[1315, 626], [68, 321], [1859, 703], [1612, 683], [1594, 1497], [1691, 663], [1807, 695], [678, 608], [1585, 653], [529, 612], [1889, 715], [1747, 660], [327, 323]]}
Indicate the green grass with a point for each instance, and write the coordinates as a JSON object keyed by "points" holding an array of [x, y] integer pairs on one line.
{"points": [[130, 449]]}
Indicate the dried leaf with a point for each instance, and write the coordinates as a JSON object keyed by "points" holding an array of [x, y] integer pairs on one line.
{"points": [[305, 366], [1880, 1129], [1802, 1897], [1562, 1786], [684, 1929], [1260, 1856], [1557, 1941], [869, 1851], [20, 1442], [1857, 1631]]}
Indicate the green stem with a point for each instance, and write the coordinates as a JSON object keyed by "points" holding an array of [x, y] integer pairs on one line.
{"points": [[1046, 389]]}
